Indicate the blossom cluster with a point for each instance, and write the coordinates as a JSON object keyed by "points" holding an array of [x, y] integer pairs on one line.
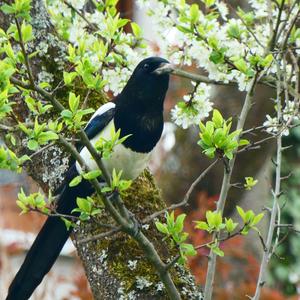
{"points": [[109, 49], [194, 107], [229, 47], [289, 116]]}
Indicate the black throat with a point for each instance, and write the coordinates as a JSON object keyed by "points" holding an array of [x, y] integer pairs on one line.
{"points": [[143, 122]]}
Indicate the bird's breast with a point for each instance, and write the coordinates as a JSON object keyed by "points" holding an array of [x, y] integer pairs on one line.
{"points": [[130, 162]]}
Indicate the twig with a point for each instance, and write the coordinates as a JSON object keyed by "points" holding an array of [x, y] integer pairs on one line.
{"points": [[100, 235], [27, 64], [91, 25], [7, 128], [41, 150], [186, 197]]}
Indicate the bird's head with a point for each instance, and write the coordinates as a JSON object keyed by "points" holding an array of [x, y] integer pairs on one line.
{"points": [[153, 67], [149, 81]]}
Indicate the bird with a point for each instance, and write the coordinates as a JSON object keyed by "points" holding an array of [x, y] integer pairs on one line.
{"points": [[137, 111]]}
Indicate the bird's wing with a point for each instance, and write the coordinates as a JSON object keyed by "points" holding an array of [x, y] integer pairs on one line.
{"points": [[100, 119]]}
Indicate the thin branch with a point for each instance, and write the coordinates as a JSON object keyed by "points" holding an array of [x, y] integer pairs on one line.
{"points": [[100, 235], [225, 187], [41, 150], [21, 42], [7, 128], [267, 253], [91, 25], [186, 197]]}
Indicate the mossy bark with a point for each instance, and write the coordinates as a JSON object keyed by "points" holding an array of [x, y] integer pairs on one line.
{"points": [[119, 261]]}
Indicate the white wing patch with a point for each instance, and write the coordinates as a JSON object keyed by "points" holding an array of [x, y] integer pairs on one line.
{"points": [[130, 162], [102, 109]]}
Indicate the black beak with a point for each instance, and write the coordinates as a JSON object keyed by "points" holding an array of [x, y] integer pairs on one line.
{"points": [[163, 68]]}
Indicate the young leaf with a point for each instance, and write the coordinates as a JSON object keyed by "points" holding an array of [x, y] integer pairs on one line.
{"points": [[161, 227], [75, 181], [92, 174]]}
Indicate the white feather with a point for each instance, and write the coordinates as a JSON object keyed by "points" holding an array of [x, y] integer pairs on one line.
{"points": [[130, 162], [102, 109]]}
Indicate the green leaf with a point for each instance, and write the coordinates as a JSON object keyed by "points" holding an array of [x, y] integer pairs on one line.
{"points": [[73, 102], [122, 22], [68, 223], [194, 13], [46, 136], [217, 57], [241, 65], [179, 223], [217, 251], [67, 114], [7, 9], [217, 118], [210, 152], [32, 145], [241, 212], [92, 174], [234, 31], [69, 77], [243, 142], [250, 183], [257, 219], [84, 204], [267, 60], [136, 29], [22, 206], [210, 218], [202, 225], [249, 216], [230, 225], [26, 31], [75, 181], [183, 29], [188, 249], [161, 227], [228, 154], [124, 185]]}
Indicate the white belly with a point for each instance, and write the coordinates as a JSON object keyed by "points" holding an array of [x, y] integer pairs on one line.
{"points": [[132, 163]]}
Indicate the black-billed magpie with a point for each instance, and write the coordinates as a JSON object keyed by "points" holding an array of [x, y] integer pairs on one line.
{"points": [[138, 112]]}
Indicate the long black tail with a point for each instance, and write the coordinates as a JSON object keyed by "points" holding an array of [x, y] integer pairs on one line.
{"points": [[49, 242]]}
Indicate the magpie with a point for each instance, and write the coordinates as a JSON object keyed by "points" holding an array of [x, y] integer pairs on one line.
{"points": [[138, 112]]}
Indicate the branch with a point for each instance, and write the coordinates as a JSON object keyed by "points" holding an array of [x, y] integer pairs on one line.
{"points": [[267, 253], [225, 188]]}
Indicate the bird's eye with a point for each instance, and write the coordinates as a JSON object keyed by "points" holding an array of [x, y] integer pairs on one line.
{"points": [[146, 66]]}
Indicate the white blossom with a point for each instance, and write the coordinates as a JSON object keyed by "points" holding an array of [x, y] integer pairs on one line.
{"points": [[273, 127], [194, 108], [223, 9]]}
